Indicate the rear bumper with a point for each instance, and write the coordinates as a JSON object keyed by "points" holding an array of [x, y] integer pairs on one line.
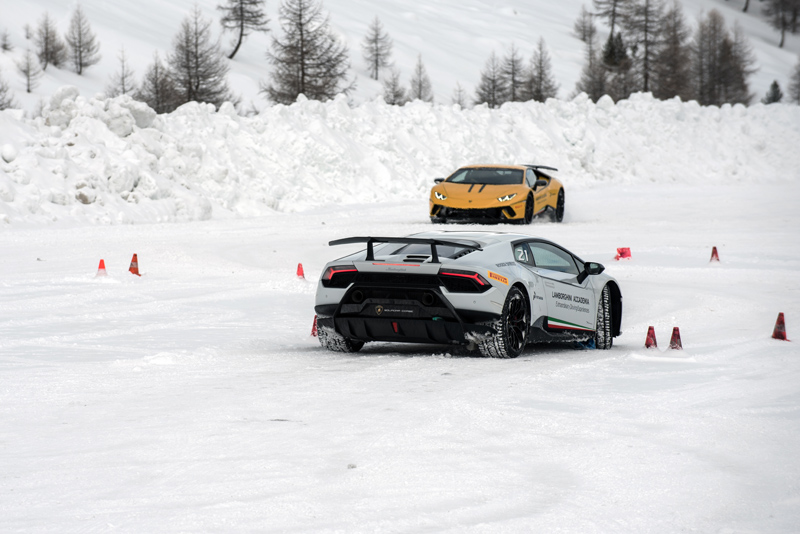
{"points": [[401, 330]]}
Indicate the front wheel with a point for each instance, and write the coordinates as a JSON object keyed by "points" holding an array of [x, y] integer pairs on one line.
{"points": [[511, 330], [332, 340], [529, 210], [603, 338], [557, 215]]}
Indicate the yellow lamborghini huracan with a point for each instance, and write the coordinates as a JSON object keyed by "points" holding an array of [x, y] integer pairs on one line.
{"points": [[497, 193]]}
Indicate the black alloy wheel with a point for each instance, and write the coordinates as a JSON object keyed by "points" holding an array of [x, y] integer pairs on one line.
{"points": [[529, 207], [511, 330], [558, 214]]}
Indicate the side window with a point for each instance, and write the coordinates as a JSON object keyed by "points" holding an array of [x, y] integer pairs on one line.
{"points": [[546, 256], [458, 176], [530, 177], [522, 254]]}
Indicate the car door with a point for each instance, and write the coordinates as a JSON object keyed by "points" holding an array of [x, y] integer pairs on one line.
{"points": [[570, 304]]}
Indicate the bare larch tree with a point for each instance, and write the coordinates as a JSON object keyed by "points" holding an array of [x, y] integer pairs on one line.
{"points": [[158, 90], [541, 83], [50, 49], [243, 17], [30, 69], [309, 60], [492, 89], [197, 66], [84, 50], [377, 49], [420, 83]]}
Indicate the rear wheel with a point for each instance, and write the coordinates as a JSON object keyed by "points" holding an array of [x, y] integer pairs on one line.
{"points": [[511, 329], [603, 339], [557, 215], [332, 340]]}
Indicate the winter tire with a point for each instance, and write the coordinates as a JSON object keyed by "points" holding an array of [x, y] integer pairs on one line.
{"points": [[603, 338], [511, 329], [332, 340], [557, 215], [529, 210]]}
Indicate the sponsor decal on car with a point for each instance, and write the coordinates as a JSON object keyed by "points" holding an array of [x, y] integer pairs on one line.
{"points": [[499, 278]]}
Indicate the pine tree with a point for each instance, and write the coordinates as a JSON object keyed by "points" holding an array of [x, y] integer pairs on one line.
{"points": [[309, 60], [244, 17], [29, 67], [721, 63], [158, 90], [49, 47], [5, 42], [774, 95], [794, 86], [121, 82], [197, 66], [83, 45], [584, 27], [541, 83], [612, 10], [643, 27], [6, 98], [492, 88], [593, 75], [459, 96], [515, 75], [738, 63], [672, 63], [420, 83], [620, 77], [393, 92], [780, 16], [377, 48]]}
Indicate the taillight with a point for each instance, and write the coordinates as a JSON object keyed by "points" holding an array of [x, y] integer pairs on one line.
{"points": [[463, 281], [339, 276]]}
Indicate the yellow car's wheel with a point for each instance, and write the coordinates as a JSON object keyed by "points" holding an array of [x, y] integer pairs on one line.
{"points": [[529, 210], [557, 215]]}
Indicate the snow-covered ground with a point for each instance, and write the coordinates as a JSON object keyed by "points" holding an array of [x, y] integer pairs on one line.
{"points": [[193, 399]]}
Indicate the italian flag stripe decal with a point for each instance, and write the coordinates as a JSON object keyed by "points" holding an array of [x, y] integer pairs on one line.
{"points": [[564, 325]]}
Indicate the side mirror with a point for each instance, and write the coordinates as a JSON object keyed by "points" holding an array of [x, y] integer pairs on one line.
{"points": [[594, 268], [590, 268], [438, 180], [539, 183]]}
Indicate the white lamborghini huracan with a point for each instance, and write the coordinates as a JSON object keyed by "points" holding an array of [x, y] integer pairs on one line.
{"points": [[495, 292]]}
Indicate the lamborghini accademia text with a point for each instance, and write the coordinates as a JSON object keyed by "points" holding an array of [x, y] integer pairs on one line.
{"points": [[494, 292]]}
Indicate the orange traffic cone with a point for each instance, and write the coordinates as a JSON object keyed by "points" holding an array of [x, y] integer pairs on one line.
{"points": [[101, 269], [675, 342], [780, 328], [134, 268], [714, 255], [650, 342], [300, 273], [623, 253], [314, 328]]}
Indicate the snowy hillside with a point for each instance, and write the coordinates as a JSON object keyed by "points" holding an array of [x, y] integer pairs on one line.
{"points": [[454, 37]]}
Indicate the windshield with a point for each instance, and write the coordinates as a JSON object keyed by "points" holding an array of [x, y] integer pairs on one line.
{"points": [[487, 175], [443, 251]]}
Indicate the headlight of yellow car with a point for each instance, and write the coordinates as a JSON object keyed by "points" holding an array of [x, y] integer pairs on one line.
{"points": [[438, 195], [506, 198]]}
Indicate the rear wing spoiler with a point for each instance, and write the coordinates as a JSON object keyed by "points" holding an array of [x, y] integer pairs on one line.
{"points": [[537, 167], [369, 240]]}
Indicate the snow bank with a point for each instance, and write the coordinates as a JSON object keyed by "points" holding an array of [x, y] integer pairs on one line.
{"points": [[111, 161]]}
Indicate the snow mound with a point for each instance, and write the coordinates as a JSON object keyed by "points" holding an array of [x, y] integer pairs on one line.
{"points": [[112, 161]]}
